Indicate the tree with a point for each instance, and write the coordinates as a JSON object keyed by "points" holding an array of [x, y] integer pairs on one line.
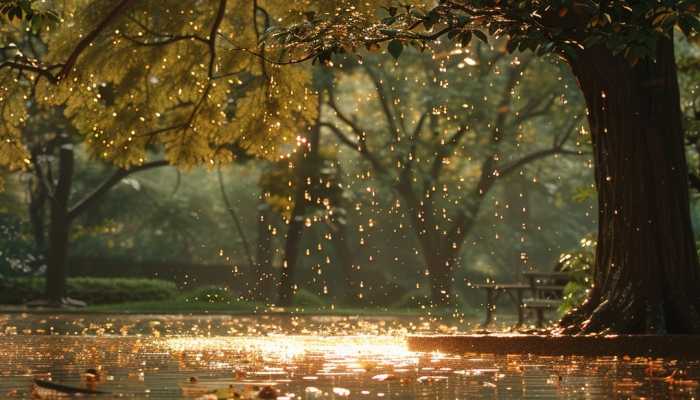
{"points": [[622, 54], [63, 212], [137, 82], [115, 95], [689, 73], [165, 78], [51, 139], [428, 147], [304, 190]]}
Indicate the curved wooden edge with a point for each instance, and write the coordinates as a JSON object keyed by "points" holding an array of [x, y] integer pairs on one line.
{"points": [[667, 346]]}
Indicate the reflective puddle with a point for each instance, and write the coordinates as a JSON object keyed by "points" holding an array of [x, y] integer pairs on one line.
{"points": [[302, 358]]}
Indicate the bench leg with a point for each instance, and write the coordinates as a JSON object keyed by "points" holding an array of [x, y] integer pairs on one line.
{"points": [[540, 318], [489, 310], [521, 312]]}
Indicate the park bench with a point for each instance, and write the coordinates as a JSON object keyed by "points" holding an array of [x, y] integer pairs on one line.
{"points": [[545, 290]]}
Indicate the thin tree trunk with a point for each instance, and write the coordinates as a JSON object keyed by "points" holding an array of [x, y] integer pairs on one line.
{"points": [[436, 248], [307, 175], [441, 269], [265, 278], [646, 276], [59, 229], [37, 214], [516, 218], [237, 223], [346, 260]]}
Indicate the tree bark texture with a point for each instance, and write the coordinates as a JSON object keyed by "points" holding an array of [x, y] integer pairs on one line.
{"points": [[646, 277]]}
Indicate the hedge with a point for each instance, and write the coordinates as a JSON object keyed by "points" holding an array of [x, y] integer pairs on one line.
{"points": [[211, 294], [90, 290], [305, 298]]}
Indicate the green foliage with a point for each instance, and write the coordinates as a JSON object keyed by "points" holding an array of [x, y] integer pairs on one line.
{"points": [[178, 305], [17, 253], [305, 298], [278, 184], [37, 14], [688, 55], [579, 264], [162, 215], [90, 290], [139, 77], [563, 27], [131, 86], [395, 48], [211, 294], [414, 299]]}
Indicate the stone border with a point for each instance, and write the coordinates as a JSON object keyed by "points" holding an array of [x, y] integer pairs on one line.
{"points": [[670, 346]]}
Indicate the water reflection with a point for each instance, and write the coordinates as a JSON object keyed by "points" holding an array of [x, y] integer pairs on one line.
{"points": [[305, 358]]}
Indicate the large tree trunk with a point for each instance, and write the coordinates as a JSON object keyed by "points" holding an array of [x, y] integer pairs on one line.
{"points": [[307, 175], [646, 274], [59, 229]]}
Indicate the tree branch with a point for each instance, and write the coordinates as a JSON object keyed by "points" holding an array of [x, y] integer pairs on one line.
{"points": [[42, 71], [236, 221], [382, 100], [407, 161], [91, 36], [166, 40], [532, 109], [263, 57], [361, 149], [446, 149], [108, 184], [532, 157], [694, 181], [212, 36]]}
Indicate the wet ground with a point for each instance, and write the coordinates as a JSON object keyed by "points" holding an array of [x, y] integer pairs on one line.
{"points": [[305, 358]]}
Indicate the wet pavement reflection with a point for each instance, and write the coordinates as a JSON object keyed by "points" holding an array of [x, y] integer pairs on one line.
{"points": [[303, 358]]}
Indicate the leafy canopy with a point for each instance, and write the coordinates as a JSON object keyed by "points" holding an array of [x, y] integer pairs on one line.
{"points": [[188, 79], [177, 77], [563, 27]]}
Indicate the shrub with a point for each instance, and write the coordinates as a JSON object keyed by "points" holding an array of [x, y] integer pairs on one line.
{"points": [[90, 290], [17, 250], [579, 265], [304, 298], [414, 299], [211, 294], [419, 299]]}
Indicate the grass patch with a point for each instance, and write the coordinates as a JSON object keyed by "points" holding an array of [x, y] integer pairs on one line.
{"points": [[150, 296], [16, 291], [178, 305], [183, 305]]}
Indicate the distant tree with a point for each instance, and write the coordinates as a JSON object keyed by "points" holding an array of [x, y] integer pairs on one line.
{"points": [[689, 69], [304, 190], [622, 53], [173, 67], [52, 170], [140, 78], [444, 133], [51, 139]]}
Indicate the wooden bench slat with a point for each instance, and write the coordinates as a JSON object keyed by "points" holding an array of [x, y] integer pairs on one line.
{"points": [[501, 285], [546, 289], [547, 275], [550, 287], [541, 303]]}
